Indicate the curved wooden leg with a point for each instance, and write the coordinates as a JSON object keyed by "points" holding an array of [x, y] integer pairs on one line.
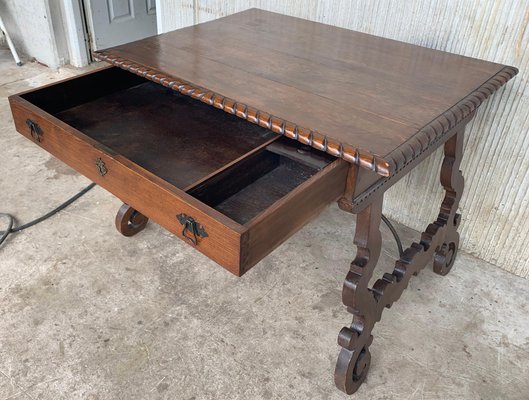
{"points": [[354, 359], [453, 183], [129, 221], [439, 242]]}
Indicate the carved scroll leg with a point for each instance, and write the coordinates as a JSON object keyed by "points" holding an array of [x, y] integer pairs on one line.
{"points": [[129, 221], [439, 241], [354, 359], [453, 183]]}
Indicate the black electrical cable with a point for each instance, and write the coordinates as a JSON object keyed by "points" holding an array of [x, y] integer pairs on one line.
{"points": [[394, 233], [11, 219]]}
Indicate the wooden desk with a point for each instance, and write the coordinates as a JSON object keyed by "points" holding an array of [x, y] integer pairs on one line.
{"points": [[303, 114]]}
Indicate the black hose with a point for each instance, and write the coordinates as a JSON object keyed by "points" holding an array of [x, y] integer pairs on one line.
{"points": [[10, 229], [11, 220]]}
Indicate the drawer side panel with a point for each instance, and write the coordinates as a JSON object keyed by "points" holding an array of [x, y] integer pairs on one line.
{"points": [[143, 191], [291, 213]]}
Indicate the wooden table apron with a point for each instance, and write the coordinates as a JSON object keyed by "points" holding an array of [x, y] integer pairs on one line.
{"points": [[382, 106]]}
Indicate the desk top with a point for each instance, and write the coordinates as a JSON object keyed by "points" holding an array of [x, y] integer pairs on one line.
{"points": [[375, 102]]}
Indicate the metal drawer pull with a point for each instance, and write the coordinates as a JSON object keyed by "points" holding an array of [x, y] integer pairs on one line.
{"points": [[192, 226], [34, 129], [100, 164]]}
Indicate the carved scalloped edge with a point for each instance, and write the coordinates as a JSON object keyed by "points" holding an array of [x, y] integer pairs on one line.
{"points": [[431, 133], [385, 166], [278, 125]]}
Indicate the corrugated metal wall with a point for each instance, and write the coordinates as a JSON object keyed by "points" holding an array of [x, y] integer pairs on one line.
{"points": [[495, 209]]}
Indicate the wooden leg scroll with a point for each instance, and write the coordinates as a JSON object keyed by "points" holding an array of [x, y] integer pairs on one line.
{"points": [[439, 242], [129, 221], [354, 359], [453, 183]]}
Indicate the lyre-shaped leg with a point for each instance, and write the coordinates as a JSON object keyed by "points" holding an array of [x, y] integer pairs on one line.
{"points": [[129, 221], [453, 183], [354, 359], [439, 242]]}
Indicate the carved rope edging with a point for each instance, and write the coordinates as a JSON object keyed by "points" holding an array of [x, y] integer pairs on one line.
{"points": [[385, 166], [364, 158], [434, 130]]}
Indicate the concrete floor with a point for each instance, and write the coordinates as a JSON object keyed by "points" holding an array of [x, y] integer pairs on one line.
{"points": [[86, 313]]}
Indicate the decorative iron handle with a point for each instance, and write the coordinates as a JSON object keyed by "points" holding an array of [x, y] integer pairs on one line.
{"points": [[102, 168], [34, 129], [192, 226]]}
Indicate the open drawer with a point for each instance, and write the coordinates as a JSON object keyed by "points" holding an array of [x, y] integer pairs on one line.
{"points": [[182, 163]]}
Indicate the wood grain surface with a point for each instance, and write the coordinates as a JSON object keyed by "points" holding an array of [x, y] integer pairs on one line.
{"points": [[150, 124], [166, 155], [372, 101]]}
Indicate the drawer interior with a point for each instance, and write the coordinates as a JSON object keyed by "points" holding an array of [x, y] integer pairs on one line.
{"points": [[247, 188], [175, 137], [251, 186], [238, 168]]}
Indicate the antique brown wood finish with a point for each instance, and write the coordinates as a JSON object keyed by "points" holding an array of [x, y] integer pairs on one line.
{"points": [[440, 242], [129, 221], [292, 212], [334, 115], [375, 102], [363, 184], [162, 169], [145, 192]]}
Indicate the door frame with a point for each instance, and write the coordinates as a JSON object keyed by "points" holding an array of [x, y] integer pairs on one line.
{"points": [[76, 30], [89, 23]]}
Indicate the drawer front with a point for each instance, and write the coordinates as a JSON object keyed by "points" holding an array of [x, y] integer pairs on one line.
{"points": [[140, 189], [292, 212]]}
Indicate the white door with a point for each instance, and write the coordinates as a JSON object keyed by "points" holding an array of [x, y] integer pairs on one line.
{"points": [[114, 22]]}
